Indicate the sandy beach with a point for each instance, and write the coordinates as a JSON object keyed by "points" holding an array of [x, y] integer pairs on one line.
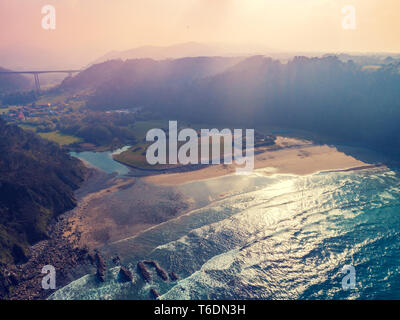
{"points": [[292, 159], [111, 208]]}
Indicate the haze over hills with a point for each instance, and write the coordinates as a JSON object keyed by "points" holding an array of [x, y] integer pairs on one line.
{"points": [[324, 95], [183, 50], [143, 74], [24, 58], [195, 49], [13, 82], [21, 58], [317, 82]]}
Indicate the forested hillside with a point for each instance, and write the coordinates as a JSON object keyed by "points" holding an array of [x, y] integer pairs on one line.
{"points": [[340, 100], [135, 82], [37, 180]]}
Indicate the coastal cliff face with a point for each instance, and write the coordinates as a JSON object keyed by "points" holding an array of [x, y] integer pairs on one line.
{"points": [[37, 183]]}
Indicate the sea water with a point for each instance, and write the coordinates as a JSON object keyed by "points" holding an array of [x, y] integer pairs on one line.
{"points": [[268, 237]]}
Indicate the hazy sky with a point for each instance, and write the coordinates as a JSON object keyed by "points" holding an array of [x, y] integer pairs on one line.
{"points": [[86, 29]]}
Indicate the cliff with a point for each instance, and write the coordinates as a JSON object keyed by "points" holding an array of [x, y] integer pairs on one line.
{"points": [[37, 183]]}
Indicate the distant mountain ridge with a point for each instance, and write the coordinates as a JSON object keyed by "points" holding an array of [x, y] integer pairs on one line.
{"points": [[184, 50]]}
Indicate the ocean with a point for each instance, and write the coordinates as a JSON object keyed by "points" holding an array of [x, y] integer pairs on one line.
{"points": [[268, 237]]}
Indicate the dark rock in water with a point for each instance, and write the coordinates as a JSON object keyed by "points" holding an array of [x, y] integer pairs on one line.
{"points": [[101, 267], [173, 276], [154, 293], [126, 275], [143, 271], [160, 271], [116, 260], [150, 262], [91, 258]]}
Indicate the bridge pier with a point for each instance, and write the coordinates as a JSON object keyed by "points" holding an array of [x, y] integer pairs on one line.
{"points": [[36, 75], [37, 83]]}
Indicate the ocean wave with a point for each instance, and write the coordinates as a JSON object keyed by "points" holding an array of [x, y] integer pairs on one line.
{"points": [[284, 238]]}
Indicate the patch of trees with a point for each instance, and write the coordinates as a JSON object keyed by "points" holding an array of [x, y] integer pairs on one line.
{"points": [[325, 96], [18, 98], [47, 126], [100, 128]]}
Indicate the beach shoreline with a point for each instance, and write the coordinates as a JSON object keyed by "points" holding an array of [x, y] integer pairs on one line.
{"points": [[297, 160], [101, 200], [106, 199]]}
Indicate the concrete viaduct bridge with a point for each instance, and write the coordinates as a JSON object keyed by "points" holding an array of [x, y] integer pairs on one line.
{"points": [[36, 74]]}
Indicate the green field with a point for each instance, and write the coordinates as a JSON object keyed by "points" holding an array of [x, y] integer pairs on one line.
{"points": [[140, 128], [60, 138], [4, 110], [27, 127], [134, 157], [55, 136]]}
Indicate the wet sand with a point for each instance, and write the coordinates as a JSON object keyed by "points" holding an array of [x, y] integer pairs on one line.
{"points": [[111, 208]]}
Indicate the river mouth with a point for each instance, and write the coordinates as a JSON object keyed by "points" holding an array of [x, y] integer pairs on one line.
{"points": [[104, 161]]}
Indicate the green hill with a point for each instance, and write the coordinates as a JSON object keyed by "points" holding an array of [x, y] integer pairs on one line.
{"points": [[37, 180]]}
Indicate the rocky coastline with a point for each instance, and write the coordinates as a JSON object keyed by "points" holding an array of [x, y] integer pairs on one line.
{"points": [[62, 250], [24, 281]]}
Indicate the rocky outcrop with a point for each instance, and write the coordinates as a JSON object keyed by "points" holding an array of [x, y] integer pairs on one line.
{"points": [[101, 267], [91, 258], [173, 276], [23, 282], [154, 293], [116, 260], [125, 274], [143, 271], [160, 271]]}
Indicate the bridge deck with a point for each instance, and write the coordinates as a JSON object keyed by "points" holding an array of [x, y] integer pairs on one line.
{"points": [[37, 72], [43, 71]]}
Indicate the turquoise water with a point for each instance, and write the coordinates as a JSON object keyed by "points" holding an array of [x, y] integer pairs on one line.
{"points": [[277, 237], [104, 160]]}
